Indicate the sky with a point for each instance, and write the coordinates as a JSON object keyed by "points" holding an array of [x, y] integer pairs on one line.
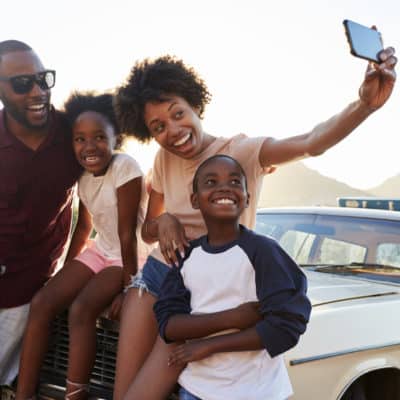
{"points": [[275, 68]]}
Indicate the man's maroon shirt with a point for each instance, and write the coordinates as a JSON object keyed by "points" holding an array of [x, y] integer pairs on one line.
{"points": [[35, 209]]}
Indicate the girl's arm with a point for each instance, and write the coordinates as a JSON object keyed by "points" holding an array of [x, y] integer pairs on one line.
{"points": [[128, 201], [165, 228], [81, 233], [374, 92]]}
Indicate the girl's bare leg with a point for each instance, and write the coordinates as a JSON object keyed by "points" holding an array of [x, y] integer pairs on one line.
{"points": [[56, 296], [137, 334], [85, 309], [156, 365]]}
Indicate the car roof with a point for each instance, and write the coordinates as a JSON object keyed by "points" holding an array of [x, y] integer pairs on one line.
{"points": [[334, 211]]}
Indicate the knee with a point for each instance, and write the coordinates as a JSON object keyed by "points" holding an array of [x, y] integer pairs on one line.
{"points": [[80, 313], [41, 308]]}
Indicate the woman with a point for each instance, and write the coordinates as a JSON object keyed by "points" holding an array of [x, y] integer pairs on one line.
{"points": [[165, 100]]}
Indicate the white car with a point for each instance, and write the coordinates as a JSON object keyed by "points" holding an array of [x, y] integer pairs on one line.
{"points": [[351, 349]]}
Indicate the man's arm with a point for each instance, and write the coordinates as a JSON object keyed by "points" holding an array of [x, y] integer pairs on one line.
{"points": [[374, 92]]}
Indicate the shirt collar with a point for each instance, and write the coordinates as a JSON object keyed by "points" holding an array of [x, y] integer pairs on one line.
{"points": [[5, 140]]}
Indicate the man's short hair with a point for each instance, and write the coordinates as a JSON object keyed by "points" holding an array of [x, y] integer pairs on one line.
{"points": [[9, 46]]}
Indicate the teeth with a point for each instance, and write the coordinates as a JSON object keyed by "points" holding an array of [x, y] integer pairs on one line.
{"points": [[91, 159], [182, 141], [225, 201], [36, 107]]}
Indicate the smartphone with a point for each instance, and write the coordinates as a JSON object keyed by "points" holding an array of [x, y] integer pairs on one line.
{"points": [[364, 42]]}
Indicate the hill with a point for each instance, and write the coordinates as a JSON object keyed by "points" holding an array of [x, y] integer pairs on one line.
{"points": [[389, 188], [297, 185]]}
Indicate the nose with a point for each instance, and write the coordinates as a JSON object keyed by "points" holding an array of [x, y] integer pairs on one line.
{"points": [[174, 129], [37, 90], [90, 144]]}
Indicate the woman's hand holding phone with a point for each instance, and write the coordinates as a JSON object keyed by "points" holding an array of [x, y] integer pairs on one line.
{"points": [[379, 80], [380, 76]]}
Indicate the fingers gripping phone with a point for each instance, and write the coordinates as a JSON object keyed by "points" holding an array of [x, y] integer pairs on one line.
{"points": [[364, 42]]}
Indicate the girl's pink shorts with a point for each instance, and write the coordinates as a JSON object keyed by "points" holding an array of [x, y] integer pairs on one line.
{"points": [[93, 258]]}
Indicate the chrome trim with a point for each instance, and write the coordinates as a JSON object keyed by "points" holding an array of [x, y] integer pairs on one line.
{"points": [[341, 353], [366, 296]]}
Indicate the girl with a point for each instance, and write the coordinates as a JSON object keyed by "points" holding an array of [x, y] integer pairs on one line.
{"points": [[95, 272], [165, 100]]}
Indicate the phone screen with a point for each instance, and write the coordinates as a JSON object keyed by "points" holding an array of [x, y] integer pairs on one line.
{"points": [[364, 42]]}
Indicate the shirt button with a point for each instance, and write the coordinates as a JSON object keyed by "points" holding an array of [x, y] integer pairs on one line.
{"points": [[3, 269]]}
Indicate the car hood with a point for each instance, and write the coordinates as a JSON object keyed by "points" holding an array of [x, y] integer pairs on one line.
{"points": [[326, 288]]}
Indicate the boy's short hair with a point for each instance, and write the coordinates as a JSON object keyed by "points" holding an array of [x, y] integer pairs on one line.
{"points": [[210, 159], [80, 102], [154, 81]]}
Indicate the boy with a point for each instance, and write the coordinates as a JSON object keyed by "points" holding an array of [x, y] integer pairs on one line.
{"points": [[203, 297]]}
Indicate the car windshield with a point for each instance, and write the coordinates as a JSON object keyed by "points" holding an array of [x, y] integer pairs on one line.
{"points": [[358, 246]]}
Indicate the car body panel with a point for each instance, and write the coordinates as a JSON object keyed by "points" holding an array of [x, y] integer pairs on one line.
{"points": [[355, 321]]}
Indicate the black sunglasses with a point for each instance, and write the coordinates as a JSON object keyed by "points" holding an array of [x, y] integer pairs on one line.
{"points": [[22, 84]]}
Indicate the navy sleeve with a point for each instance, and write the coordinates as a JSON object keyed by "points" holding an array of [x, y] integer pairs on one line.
{"points": [[281, 289], [174, 299]]}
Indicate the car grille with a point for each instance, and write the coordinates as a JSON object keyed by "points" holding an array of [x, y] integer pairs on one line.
{"points": [[54, 370]]}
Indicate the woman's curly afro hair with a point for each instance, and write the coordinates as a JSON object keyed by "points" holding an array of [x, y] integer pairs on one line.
{"points": [[153, 81]]}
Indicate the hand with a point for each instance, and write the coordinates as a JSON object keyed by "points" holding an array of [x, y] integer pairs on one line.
{"points": [[114, 310], [379, 80], [126, 278], [171, 237], [246, 315], [190, 351]]}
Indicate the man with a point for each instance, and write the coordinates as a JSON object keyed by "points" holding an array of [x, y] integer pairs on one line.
{"points": [[37, 173]]}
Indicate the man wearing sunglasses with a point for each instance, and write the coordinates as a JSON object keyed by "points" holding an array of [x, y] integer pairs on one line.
{"points": [[37, 174]]}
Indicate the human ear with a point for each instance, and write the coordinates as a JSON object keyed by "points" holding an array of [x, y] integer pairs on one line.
{"points": [[197, 110], [247, 199], [118, 141], [194, 201]]}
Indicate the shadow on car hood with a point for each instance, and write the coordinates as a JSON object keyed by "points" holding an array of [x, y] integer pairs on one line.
{"points": [[326, 288]]}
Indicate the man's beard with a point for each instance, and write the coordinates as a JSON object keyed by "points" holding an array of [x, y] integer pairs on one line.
{"points": [[20, 117]]}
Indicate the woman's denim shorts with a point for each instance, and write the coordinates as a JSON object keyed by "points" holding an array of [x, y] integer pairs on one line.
{"points": [[185, 395], [150, 278]]}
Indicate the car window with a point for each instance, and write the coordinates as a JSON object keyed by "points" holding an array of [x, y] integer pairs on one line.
{"points": [[327, 239], [388, 254], [334, 251], [298, 244]]}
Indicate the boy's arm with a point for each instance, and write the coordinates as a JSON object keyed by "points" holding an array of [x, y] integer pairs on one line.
{"points": [[245, 340], [176, 323], [281, 288]]}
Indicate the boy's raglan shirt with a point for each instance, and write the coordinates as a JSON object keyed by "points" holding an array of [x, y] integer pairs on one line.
{"points": [[253, 268]]}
